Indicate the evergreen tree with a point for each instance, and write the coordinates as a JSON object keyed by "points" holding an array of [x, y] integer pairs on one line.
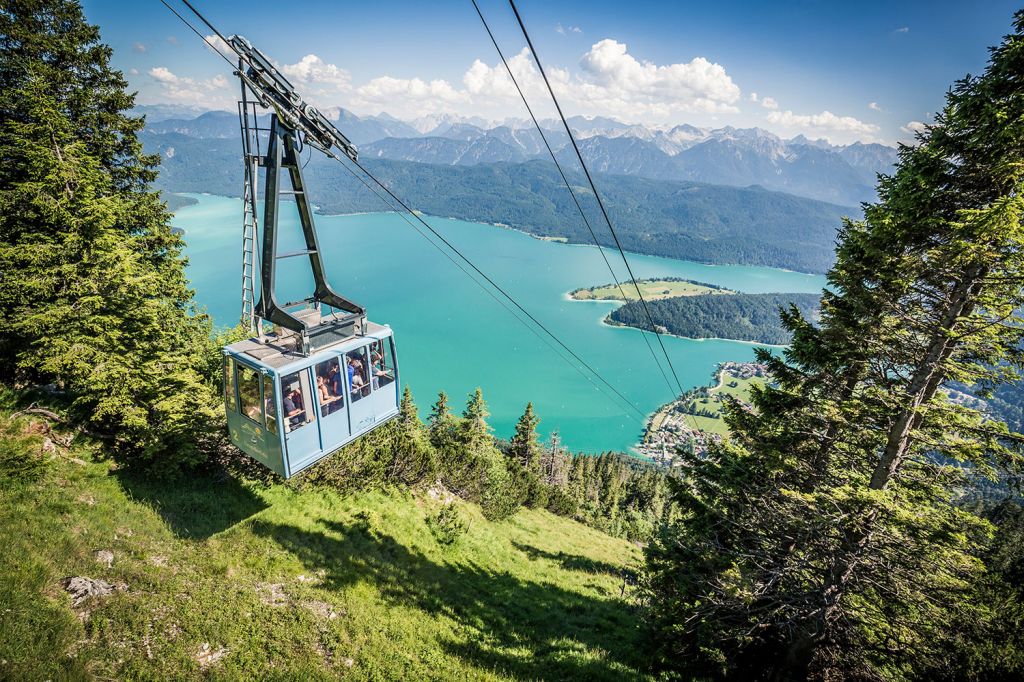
{"points": [[524, 447], [93, 296], [823, 540], [441, 422], [412, 456], [475, 431]]}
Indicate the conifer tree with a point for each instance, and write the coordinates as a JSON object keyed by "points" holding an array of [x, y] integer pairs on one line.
{"points": [[524, 447], [441, 420], [475, 430], [93, 296], [823, 540]]}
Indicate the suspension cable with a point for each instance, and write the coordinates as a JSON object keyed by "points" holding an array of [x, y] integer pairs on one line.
{"points": [[496, 286], [572, 192], [597, 196], [436, 234], [469, 274]]}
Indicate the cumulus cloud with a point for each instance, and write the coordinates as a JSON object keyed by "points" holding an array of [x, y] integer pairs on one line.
{"points": [[902, 29], [424, 96], [613, 82], [615, 76], [873, 106], [826, 124], [139, 47], [914, 127], [769, 103], [215, 43], [313, 69], [609, 81], [567, 29], [213, 92]]}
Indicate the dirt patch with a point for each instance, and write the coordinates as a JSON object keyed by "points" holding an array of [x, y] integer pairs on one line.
{"points": [[273, 594], [208, 655], [82, 589], [321, 609]]}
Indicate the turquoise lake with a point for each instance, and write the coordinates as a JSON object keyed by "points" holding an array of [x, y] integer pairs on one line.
{"points": [[452, 336]]}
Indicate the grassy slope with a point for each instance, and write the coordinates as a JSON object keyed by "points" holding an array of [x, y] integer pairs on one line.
{"points": [[653, 290], [299, 584]]}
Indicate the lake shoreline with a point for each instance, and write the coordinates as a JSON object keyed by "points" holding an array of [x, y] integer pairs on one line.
{"points": [[563, 241], [453, 337]]}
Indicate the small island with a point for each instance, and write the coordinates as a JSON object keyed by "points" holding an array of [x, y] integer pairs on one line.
{"points": [[652, 289], [740, 317]]}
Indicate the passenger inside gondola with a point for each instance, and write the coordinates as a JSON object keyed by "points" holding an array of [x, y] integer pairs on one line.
{"points": [[329, 402], [382, 374], [357, 375], [292, 405]]}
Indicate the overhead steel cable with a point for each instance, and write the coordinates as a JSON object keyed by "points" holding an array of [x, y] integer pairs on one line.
{"points": [[597, 196], [568, 186], [483, 288], [498, 288], [433, 231]]}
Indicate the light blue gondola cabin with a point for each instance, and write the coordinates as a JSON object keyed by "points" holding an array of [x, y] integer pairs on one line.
{"points": [[289, 410]]}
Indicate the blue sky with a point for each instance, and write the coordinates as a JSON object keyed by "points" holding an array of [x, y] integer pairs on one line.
{"points": [[845, 71]]}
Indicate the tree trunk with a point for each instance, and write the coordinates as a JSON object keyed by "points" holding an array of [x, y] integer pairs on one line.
{"points": [[928, 376]]}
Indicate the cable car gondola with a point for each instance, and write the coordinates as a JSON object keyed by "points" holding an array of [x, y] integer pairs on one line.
{"points": [[322, 375]]}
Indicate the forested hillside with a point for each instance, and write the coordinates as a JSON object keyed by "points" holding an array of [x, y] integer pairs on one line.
{"points": [[708, 223], [827, 538], [743, 317], [740, 157], [834, 532]]}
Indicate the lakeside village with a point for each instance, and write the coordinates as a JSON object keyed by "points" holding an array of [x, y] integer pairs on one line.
{"points": [[694, 419]]}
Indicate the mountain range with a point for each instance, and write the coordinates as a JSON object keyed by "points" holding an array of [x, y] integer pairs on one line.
{"points": [[738, 157]]}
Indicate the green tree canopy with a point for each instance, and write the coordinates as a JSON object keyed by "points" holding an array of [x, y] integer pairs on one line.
{"points": [[823, 539], [93, 295]]}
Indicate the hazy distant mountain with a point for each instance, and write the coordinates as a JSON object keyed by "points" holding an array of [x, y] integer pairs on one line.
{"points": [[740, 157], [696, 221], [363, 129], [444, 150], [161, 112], [212, 124]]}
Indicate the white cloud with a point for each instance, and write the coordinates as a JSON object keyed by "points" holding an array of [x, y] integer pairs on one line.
{"points": [[611, 82], [139, 47], [425, 96], [873, 106], [769, 103], [133, 71], [902, 29], [213, 92], [753, 97], [173, 40], [913, 127], [567, 29], [216, 44], [697, 85], [313, 69], [825, 124]]}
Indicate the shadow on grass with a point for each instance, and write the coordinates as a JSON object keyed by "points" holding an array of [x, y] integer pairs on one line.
{"points": [[566, 635], [197, 506], [575, 562]]}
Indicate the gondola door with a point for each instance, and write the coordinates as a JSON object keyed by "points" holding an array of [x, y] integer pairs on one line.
{"points": [[383, 379], [332, 402], [298, 418], [357, 363]]}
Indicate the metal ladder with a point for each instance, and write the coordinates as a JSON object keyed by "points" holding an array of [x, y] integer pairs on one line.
{"points": [[252, 159]]}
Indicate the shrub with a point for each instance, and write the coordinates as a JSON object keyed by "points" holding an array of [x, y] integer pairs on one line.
{"points": [[447, 524]]}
